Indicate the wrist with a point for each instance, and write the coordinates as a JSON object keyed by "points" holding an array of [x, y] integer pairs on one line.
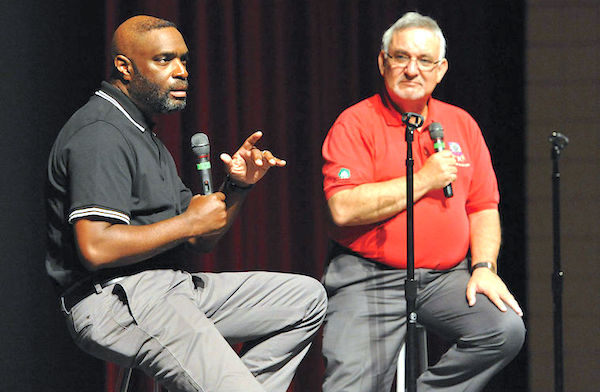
{"points": [[231, 185], [484, 264]]}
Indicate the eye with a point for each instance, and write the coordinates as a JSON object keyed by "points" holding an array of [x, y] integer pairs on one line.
{"points": [[426, 62], [401, 58]]}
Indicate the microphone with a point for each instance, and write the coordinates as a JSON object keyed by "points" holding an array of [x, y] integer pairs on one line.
{"points": [[436, 132], [201, 149]]}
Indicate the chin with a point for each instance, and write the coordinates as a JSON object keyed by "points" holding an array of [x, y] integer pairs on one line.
{"points": [[409, 95]]}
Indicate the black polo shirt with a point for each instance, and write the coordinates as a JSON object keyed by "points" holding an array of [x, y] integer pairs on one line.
{"points": [[106, 164]]}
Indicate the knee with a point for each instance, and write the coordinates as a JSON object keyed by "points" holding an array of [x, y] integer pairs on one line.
{"points": [[514, 336], [315, 295], [508, 336]]}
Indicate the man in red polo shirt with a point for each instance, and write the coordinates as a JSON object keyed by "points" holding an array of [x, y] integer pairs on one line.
{"points": [[459, 298]]}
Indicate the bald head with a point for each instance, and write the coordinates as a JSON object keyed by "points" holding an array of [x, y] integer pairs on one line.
{"points": [[131, 32]]}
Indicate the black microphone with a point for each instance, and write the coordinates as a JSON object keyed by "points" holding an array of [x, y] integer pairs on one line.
{"points": [[201, 149], [436, 132]]}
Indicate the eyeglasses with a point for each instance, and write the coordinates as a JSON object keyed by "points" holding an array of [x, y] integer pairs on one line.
{"points": [[402, 61]]}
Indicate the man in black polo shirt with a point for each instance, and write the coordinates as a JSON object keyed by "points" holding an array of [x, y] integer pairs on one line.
{"points": [[119, 217]]}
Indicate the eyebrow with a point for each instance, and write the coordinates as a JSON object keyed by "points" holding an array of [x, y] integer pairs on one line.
{"points": [[171, 55], [404, 52]]}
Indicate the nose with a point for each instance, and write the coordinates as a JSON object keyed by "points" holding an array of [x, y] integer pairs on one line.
{"points": [[412, 68], [180, 70]]}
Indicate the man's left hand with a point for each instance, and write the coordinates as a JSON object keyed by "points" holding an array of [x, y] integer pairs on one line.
{"points": [[486, 282], [249, 164]]}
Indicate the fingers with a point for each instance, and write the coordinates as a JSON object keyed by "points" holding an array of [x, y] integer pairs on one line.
{"points": [[497, 292], [218, 195], [496, 300], [226, 158], [257, 156], [260, 157], [471, 295], [272, 159], [252, 139], [512, 302]]}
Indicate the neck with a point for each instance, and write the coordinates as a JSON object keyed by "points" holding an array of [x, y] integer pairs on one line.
{"points": [[150, 117]]}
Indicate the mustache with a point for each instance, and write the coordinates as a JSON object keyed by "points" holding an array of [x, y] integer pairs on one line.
{"points": [[183, 85]]}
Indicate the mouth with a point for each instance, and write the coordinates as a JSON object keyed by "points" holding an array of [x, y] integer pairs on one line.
{"points": [[179, 90], [179, 94], [410, 83]]}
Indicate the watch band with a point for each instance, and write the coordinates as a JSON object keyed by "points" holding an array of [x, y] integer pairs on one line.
{"points": [[484, 264], [232, 186]]}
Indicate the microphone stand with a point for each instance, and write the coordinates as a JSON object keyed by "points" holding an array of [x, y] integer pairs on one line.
{"points": [[559, 142], [412, 122]]}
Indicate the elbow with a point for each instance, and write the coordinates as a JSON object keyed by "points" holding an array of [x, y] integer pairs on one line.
{"points": [[92, 259], [340, 216]]}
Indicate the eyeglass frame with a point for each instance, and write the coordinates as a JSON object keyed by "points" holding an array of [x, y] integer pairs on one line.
{"points": [[410, 59]]}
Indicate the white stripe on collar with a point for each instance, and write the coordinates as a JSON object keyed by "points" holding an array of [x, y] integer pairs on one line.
{"points": [[110, 99]]}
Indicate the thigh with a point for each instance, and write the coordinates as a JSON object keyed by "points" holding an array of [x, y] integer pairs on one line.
{"points": [[364, 326], [102, 326], [250, 305]]}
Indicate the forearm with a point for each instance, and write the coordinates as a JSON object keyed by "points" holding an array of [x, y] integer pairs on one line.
{"points": [[374, 202], [485, 236]]}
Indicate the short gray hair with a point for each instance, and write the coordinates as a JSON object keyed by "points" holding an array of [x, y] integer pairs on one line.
{"points": [[414, 19]]}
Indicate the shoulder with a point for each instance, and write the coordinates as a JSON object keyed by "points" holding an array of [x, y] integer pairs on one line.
{"points": [[361, 111], [95, 125], [455, 118]]}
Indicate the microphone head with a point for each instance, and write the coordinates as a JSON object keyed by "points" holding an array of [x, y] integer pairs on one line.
{"points": [[436, 131], [200, 144]]}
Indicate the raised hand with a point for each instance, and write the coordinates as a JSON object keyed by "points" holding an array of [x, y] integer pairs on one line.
{"points": [[249, 164]]}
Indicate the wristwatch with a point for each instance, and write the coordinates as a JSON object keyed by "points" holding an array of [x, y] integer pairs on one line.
{"points": [[484, 264]]}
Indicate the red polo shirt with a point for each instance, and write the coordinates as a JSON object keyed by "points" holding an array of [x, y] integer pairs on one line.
{"points": [[366, 144]]}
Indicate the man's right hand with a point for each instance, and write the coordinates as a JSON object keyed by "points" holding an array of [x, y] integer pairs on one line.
{"points": [[439, 170], [207, 215]]}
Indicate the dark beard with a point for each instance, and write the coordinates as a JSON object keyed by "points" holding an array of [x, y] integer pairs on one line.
{"points": [[152, 97]]}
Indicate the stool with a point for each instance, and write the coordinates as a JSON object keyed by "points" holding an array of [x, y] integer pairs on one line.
{"points": [[423, 360], [122, 383]]}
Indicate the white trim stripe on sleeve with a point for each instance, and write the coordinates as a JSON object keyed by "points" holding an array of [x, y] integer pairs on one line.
{"points": [[110, 99], [95, 211]]}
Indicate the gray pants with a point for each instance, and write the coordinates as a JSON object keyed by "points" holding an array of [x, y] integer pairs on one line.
{"points": [[177, 327], [365, 327]]}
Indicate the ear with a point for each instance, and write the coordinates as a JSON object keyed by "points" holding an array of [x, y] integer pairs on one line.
{"points": [[124, 66], [441, 70], [381, 62]]}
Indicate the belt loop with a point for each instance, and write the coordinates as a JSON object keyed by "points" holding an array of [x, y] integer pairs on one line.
{"points": [[98, 288]]}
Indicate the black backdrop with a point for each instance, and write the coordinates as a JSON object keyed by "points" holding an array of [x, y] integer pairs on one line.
{"points": [[286, 67]]}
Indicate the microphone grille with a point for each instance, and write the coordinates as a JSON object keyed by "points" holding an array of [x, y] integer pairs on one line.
{"points": [[200, 144], [436, 131]]}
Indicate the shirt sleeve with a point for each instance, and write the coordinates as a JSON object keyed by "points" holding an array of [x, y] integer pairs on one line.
{"points": [[347, 156], [100, 170]]}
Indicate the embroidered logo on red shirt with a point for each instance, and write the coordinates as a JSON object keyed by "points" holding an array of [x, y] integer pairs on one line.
{"points": [[461, 159], [344, 173]]}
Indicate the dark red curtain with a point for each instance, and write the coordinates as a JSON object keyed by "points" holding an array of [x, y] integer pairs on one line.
{"points": [[289, 68]]}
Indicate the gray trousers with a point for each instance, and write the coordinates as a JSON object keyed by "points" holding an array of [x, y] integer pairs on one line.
{"points": [[177, 327], [365, 327]]}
